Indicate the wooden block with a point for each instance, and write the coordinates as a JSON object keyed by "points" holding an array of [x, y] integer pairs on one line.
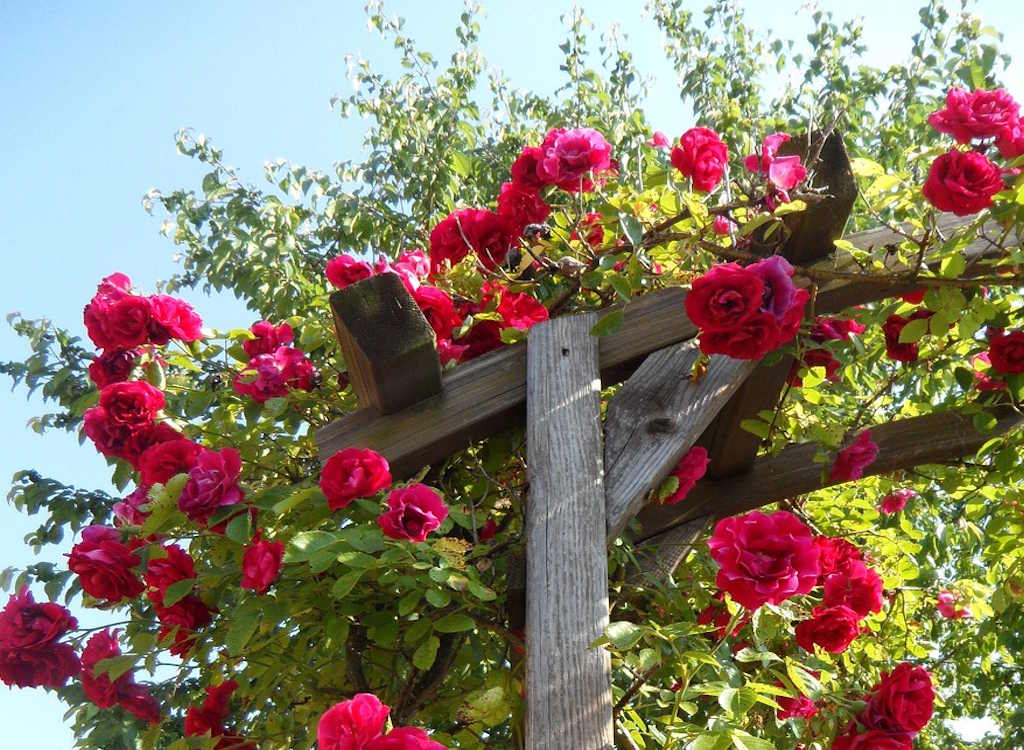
{"points": [[387, 343], [656, 418], [568, 684]]}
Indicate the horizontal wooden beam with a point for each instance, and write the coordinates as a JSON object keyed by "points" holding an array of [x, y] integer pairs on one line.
{"points": [[906, 443]]}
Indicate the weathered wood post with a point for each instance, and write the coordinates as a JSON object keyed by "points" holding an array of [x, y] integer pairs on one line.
{"points": [[568, 684]]}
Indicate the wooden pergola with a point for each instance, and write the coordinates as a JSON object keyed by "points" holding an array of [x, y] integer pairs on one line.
{"points": [[588, 480]]}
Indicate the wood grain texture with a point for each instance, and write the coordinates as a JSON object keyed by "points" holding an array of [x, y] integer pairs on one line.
{"points": [[568, 684], [656, 418], [906, 443], [387, 343]]}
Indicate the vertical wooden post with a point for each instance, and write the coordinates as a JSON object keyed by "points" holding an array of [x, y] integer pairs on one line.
{"points": [[568, 684]]}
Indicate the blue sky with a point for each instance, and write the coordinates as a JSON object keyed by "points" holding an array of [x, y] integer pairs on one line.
{"points": [[93, 93]]}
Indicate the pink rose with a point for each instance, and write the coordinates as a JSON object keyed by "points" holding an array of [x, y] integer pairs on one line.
{"points": [[701, 156], [268, 338], [853, 459], [212, 484], [962, 182], [784, 172], [132, 404], [570, 155], [412, 266], [129, 511], [260, 564], [855, 585], [352, 473], [1006, 351], [832, 628], [352, 724], [896, 501], [172, 318], [983, 379], [946, 605], [413, 512], [114, 366], [405, 738], [104, 565], [688, 471], [1011, 141], [780, 293], [344, 269], [975, 115], [827, 328], [659, 140], [270, 376], [723, 226], [764, 558], [470, 230], [121, 323]]}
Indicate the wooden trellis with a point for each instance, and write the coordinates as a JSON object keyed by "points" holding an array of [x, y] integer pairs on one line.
{"points": [[585, 480]]}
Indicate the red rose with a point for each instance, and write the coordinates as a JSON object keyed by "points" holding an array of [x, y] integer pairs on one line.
{"points": [[488, 530], [702, 156], [978, 114], [121, 323], [591, 229], [104, 565], [136, 700], [853, 459], [724, 297], [815, 358], [411, 266], [751, 339], [470, 230], [519, 310], [962, 182], [212, 484], [343, 270], [110, 438], [163, 572], [439, 310], [30, 654], [448, 351], [983, 380], [688, 471], [351, 724], [183, 619], [123, 691], [894, 324], [172, 318], [520, 205], [1006, 351], [764, 557], [873, 740], [571, 155], [896, 501], [405, 738], [524, 168], [834, 329], [268, 338], [260, 564], [413, 512], [915, 297], [351, 473], [834, 553], [902, 702], [112, 367], [210, 716], [832, 628], [132, 404], [162, 461], [855, 585], [799, 707], [1011, 141]]}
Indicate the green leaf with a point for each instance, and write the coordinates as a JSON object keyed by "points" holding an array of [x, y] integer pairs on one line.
{"points": [[115, 666], [755, 427], [305, 544], [632, 228], [239, 528], [953, 266], [790, 208], [438, 597], [737, 701], [178, 591], [423, 657], [462, 164], [456, 622], [243, 626], [297, 498], [866, 167], [914, 331], [624, 635], [609, 323], [744, 741], [345, 584]]}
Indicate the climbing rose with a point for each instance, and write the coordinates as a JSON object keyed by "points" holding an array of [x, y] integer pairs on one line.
{"points": [[352, 473], [30, 654], [962, 182], [896, 501], [268, 338], [764, 558], [591, 229], [724, 297], [437, 307], [411, 266], [659, 140], [701, 156], [345, 269], [405, 738], [814, 358], [413, 512], [519, 310], [129, 512], [183, 619], [983, 380], [270, 376], [722, 226], [470, 230], [716, 614], [114, 366], [688, 471], [914, 297], [946, 606], [524, 168], [160, 462], [855, 585], [212, 484], [894, 324], [780, 293], [123, 691], [520, 205], [172, 318], [351, 724], [260, 564], [853, 459], [834, 552], [1011, 141], [976, 114], [757, 336], [799, 707], [133, 404], [784, 172], [832, 628], [117, 323], [834, 329], [902, 702], [570, 155], [1006, 351], [104, 565], [163, 572], [872, 740], [210, 716]]}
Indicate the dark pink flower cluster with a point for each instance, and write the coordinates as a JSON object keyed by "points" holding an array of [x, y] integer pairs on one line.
{"points": [[702, 156], [31, 653], [180, 619], [273, 374], [124, 424], [123, 691], [261, 563], [212, 485], [897, 709], [413, 513], [208, 718], [517, 310], [948, 605], [782, 173], [746, 312], [688, 472], [358, 724], [852, 460]]}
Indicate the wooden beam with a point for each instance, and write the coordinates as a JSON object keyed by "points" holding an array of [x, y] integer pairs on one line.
{"points": [[387, 343], [568, 684], [658, 416], [906, 443]]}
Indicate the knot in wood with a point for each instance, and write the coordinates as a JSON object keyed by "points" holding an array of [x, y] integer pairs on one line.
{"points": [[660, 425]]}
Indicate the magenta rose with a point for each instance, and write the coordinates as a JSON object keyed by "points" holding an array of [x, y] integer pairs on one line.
{"points": [[783, 172], [260, 564], [800, 707], [780, 293], [832, 628], [688, 471], [896, 501], [520, 205], [571, 156], [132, 404], [724, 297], [828, 328], [405, 738], [437, 307], [114, 366], [701, 156], [413, 512], [163, 572], [270, 376], [983, 378], [975, 115], [343, 270], [853, 459], [902, 702], [947, 605], [467, 230], [105, 566], [855, 585], [268, 338], [129, 511], [962, 182], [1011, 141], [764, 558], [162, 461], [353, 473], [1006, 351], [172, 318], [117, 323], [212, 484], [352, 724], [834, 552]]}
